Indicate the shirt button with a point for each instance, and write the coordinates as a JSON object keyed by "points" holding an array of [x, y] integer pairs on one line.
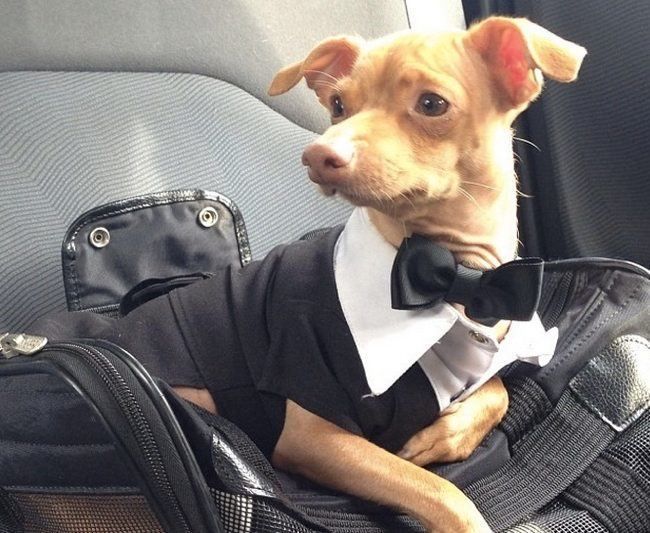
{"points": [[457, 395], [478, 337]]}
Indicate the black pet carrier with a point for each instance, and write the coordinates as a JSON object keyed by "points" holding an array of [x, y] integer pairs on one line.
{"points": [[90, 442]]}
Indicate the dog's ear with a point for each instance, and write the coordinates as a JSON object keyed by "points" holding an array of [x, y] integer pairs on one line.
{"points": [[331, 60], [516, 50]]}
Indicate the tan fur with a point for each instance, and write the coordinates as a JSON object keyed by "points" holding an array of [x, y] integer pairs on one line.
{"points": [[448, 177]]}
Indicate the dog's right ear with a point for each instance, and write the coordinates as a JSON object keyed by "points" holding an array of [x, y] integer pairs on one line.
{"points": [[331, 60], [518, 52]]}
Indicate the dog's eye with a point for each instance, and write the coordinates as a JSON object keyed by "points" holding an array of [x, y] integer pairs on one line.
{"points": [[337, 106], [431, 105]]}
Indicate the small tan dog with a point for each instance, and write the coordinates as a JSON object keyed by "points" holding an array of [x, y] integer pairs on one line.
{"points": [[421, 136]]}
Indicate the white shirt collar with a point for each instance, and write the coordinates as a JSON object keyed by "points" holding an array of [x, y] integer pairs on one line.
{"points": [[456, 354]]}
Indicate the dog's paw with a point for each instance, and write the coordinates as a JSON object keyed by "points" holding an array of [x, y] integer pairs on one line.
{"points": [[448, 439], [458, 432]]}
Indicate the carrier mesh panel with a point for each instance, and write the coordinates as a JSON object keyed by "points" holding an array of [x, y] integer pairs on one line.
{"points": [[632, 449], [384, 521], [235, 511], [558, 517], [87, 513], [529, 406], [71, 141], [242, 443], [245, 514], [10, 514]]}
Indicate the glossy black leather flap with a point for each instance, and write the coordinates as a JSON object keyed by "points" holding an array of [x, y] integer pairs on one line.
{"points": [[112, 248]]}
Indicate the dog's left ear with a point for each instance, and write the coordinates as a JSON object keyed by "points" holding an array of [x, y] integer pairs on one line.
{"points": [[516, 50], [330, 60]]}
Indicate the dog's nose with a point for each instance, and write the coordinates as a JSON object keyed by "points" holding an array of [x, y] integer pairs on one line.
{"points": [[328, 162]]}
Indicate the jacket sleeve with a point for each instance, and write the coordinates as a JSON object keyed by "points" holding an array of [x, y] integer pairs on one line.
{"points": [[150, 333]]}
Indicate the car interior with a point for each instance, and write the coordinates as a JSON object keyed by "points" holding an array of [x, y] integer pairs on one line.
{"points": [[104, 102]]}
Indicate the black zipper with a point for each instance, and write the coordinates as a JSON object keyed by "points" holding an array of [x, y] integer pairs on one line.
{"points": [[132, 412]]}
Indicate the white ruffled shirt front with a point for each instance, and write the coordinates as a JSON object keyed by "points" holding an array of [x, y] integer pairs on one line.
{"points": [[456, 354]]}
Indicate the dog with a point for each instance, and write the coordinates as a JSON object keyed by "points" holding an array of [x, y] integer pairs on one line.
{"points": [[421, 139], [421, 144]]}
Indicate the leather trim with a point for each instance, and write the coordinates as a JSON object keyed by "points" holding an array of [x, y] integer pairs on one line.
{"points": [[237, 475], [596, 262], [615, 384]]}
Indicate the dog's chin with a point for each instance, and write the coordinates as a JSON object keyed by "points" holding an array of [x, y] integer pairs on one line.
{"points": [[327, 190], [399, 204], [350, 195], [362, 197], [344, 192]]}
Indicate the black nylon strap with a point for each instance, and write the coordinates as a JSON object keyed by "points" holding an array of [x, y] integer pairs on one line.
{"points": [[552, 457], [527, 407]]}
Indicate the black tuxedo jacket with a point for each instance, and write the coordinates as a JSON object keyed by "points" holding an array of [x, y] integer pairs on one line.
{"points": [[257, 335]]}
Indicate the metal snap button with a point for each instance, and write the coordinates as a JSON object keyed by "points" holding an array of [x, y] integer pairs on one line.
{"points": [[99, 237], [478, 337], [208, 217]]}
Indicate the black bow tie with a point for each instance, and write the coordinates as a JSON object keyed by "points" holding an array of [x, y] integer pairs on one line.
{"points": [[425, 274]]}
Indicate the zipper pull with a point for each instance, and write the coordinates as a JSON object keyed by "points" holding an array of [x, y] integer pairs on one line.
{"points": [[13, 344]]}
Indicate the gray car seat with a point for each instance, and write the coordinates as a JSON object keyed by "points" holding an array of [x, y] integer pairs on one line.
{"points": [[101, 101]]}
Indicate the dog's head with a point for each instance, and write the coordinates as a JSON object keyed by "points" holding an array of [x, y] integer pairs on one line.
{"points": [[414, 116]]}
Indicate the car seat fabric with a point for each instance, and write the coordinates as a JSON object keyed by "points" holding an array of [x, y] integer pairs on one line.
{"points": [[156, 118], [71, 141], [243, 42]]}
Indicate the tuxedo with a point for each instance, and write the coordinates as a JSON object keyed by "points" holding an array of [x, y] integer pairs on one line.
{"points": [[306, 324]]}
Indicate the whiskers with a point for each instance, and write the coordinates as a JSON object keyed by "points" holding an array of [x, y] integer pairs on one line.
{"points": [[520, 139], [518, 192], [470, 197], [387, 200], [377, 196], [477, 184], [521, 194], [331, 83]]}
